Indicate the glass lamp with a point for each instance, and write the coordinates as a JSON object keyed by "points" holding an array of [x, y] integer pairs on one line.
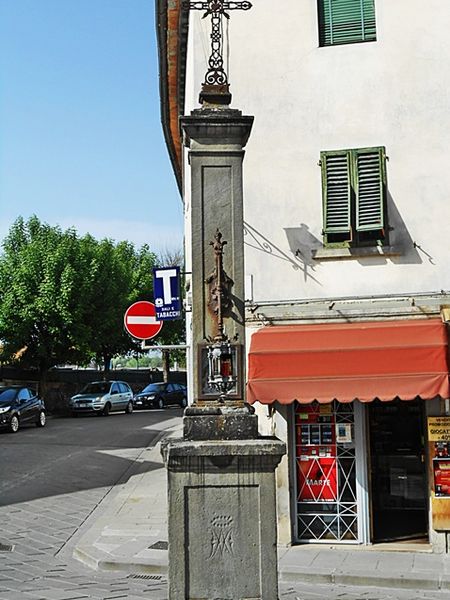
{"points": [[221, 368]]}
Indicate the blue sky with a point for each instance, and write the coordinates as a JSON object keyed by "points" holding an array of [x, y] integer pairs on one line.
{"points": [[81, 142]]}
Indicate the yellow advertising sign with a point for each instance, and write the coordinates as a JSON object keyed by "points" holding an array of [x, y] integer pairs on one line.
{"points": [[439, 429]]}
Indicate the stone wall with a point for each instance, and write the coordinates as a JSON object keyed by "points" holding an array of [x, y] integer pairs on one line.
{"points": [[61, 384]]}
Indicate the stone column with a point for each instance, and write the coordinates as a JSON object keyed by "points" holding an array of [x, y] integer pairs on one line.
{"points": [[216, 138], [221, 474]]}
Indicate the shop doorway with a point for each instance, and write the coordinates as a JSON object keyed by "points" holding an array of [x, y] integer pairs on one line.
{"points": [[397, 466], [326, 465]]}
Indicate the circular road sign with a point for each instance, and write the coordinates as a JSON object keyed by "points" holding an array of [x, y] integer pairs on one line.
{"points": [[140, 320]]}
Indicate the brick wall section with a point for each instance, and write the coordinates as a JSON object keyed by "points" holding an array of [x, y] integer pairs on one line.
{"points": [[173, 54]]}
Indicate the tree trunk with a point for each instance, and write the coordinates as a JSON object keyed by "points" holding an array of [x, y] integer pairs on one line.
{"points": [[42, 383], [106, 365], [166, 364]]}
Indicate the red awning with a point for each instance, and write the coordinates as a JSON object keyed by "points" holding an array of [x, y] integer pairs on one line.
{"points": [[348, 361]]}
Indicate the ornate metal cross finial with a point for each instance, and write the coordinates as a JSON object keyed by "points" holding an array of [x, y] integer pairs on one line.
{"points": [[216, 80]]}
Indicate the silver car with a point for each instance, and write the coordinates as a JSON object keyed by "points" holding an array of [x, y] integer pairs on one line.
{"points": [[102, 397]]}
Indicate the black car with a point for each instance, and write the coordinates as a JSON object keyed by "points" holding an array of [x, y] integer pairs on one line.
{"points": [[20, 405], [158, 395]]}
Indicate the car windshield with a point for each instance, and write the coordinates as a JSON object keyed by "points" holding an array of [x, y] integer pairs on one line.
{"points": [[7, 394], [98, 387], [154, 387]]}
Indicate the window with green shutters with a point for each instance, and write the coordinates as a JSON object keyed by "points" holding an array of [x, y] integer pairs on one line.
{"points": [[354, 197], [346, 21]]}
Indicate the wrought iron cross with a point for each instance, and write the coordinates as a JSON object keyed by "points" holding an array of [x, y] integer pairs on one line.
{"points": [[216, 80]]}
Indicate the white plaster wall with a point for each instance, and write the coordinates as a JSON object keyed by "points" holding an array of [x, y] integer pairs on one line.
{"points": [[392, 92], [190, 84]]}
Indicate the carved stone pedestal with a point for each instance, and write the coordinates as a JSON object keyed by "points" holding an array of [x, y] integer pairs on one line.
{"points": [[222, 519]]}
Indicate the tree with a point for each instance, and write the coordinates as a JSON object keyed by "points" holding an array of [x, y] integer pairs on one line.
{"points": [[120, 275], [63, 297], [42, 285]]}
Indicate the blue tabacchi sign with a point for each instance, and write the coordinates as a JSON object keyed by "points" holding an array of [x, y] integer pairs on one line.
{"points": [[166, 290]]}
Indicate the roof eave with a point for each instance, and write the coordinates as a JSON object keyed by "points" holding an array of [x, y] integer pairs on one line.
{"points": [[171, 30]]}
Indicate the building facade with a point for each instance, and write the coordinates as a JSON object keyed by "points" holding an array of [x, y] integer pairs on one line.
{"points": [[346, 190]]}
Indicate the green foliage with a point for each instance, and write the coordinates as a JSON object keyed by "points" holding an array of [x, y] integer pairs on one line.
{"points": [[137, 362], [63, 297], [41, 284]]}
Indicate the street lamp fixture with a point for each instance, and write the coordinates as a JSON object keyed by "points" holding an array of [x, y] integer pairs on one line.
{"points": [[221, 371]]}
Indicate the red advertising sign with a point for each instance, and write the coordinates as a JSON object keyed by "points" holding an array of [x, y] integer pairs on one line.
{"points": [[317, 479], [441, 467]]}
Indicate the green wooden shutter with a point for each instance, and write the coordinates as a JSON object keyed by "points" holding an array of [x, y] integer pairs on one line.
{"points": [[336, 191], [370, 181], [346, 21]]}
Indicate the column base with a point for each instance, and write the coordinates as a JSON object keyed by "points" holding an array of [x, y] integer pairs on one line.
{"points": [[220, 423], [222, 518]]}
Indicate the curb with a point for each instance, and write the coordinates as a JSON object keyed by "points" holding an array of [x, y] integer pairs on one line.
{"points": [[401, 581], [98, 563], [158, 566]]}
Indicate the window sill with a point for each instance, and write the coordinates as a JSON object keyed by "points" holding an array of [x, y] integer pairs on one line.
{"points": [[349, 253]]}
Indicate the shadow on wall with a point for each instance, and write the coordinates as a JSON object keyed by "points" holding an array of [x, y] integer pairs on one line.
{"points": [[302, 242], [254, 239], [400, 238]]}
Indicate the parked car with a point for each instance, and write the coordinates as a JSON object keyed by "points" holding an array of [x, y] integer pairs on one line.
{"points": [[102, 397], [20, 405], [159, 395]]}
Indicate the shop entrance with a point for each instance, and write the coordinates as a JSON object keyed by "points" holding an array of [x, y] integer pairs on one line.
{"points": [[397, 465]]}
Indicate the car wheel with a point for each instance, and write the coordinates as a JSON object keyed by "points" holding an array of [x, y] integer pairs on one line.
{"points": [[106, 410], [160, 403], [41, 419], [129, 408], [183, 402], [14, 424]]}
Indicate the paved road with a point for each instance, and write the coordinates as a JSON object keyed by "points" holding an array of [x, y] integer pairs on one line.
{"points": [[52, 480], [72, 455]]}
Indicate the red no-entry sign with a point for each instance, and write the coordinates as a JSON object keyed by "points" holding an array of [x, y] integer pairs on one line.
{"points": [[140, 320]]}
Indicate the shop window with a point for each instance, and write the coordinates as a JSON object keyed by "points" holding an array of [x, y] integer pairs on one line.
{"points": [[346, 21], [354, 197]]}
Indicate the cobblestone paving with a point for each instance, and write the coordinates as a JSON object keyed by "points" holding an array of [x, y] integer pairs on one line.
{"points": [[41, 566], [43, 532]]}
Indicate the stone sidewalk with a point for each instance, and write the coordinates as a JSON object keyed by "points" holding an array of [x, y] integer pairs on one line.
{"points": [[128, 532]]}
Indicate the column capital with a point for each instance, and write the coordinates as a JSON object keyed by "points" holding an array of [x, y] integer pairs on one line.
{"points": [[210, 128]]}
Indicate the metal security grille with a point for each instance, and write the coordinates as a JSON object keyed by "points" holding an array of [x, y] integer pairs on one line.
{"points": [[326, 472]]}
